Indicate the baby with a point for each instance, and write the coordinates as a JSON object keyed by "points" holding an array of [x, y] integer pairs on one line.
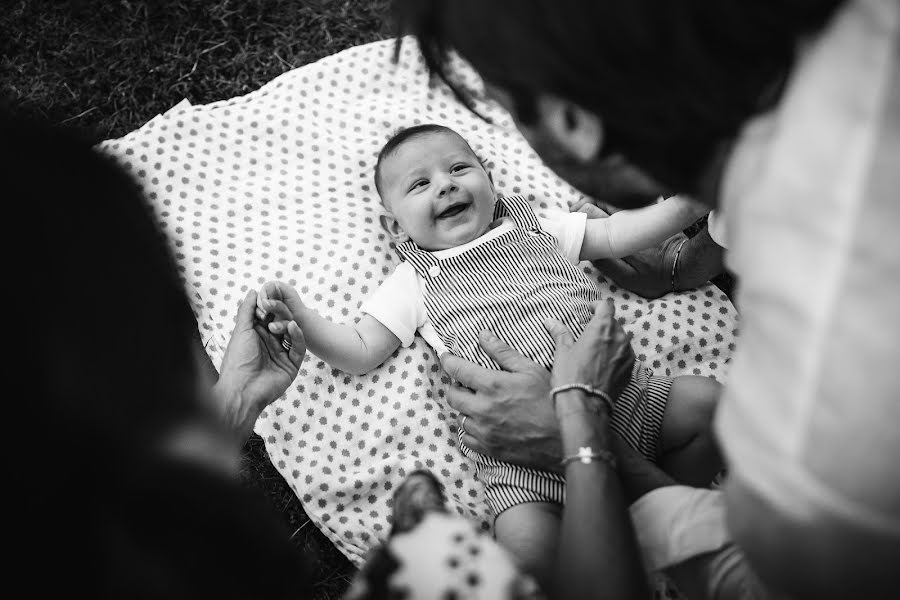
{"points": [[472, 261]]}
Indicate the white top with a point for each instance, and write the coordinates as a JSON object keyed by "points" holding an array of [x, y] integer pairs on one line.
{"points": [[718, 231], [399, 302], [810, 418], [676, 523]]}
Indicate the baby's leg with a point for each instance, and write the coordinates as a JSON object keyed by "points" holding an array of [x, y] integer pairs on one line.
{"points": [[530, 532], [687, 449]]}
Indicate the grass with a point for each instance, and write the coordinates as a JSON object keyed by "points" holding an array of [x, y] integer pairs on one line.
{"points": [[105, 67]]}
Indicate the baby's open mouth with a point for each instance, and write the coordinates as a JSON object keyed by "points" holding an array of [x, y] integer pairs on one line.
{"points": [[453, 210]]}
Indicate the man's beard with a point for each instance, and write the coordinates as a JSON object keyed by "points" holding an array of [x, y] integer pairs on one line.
{"points": [[610, 181]]}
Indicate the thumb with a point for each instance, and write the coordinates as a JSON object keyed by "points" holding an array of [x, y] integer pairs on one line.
{"points": [[602, 323], [503, 354], [617, 269], [561, 334], [246, 311], [298, 343]]}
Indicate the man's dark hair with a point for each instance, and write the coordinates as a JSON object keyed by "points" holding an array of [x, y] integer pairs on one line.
{"points": [[401, 137], [672, 81]]}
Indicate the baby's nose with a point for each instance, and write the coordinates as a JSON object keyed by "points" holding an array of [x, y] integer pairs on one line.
{"points": [[447, 187]]}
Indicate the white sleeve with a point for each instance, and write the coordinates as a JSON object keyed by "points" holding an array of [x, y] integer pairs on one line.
{"points": [[398, 304], [568, 229], [715, 224], [676, 523]]}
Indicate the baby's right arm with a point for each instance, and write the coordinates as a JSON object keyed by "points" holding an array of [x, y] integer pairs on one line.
{"points": [[355, 349], [629, 231]]}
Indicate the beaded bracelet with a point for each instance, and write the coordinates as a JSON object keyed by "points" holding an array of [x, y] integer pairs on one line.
{"points": [[586, 456], [587, 389], [675, 263]]}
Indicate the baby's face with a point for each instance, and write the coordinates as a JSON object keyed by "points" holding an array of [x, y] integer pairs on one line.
{"points": [[438, 191]]}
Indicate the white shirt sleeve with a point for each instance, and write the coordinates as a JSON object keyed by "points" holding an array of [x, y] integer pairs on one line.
{"points": [[676, 523], [715, 224], [809, 417], [568, 229], [398, 304]]}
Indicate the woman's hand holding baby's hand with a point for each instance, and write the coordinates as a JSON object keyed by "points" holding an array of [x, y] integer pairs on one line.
{"points": [[277, 304], [257, 368]]}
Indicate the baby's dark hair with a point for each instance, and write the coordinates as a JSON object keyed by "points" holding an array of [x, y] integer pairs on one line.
{"points": [[404, 135]]}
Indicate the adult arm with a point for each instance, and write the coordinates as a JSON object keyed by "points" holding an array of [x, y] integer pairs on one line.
{"points": [[598, 552]]}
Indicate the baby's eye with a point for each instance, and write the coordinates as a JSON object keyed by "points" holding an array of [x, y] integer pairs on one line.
{"points": [[418, 184], [459, 167]]}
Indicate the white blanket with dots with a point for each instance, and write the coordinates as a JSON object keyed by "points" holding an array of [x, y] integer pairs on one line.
{"points": [[278, 184]]}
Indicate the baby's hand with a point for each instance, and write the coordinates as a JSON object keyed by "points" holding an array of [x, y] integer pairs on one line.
{"points": [[277, 304]]}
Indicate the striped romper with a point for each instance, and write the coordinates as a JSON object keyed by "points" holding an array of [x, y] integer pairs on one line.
{"points": [[510, 285]]}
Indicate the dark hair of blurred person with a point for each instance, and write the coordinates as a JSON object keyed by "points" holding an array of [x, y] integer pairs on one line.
{"points": [[115, 509], [673, 81]]}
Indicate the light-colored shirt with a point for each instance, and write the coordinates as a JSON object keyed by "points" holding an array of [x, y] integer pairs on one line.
{"points": [[681, 530], [810, 418]]}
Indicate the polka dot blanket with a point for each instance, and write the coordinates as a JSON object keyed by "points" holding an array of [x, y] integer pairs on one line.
{"points": [[278, 184]]}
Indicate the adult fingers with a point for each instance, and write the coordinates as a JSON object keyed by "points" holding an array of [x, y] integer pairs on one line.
{"points": [[466, 372], [592, 211], [503, 354], [474, 443], [575, 206], [603, 322], [463, 400], [560, 333], [298, 343], [246, 311], [617, 269]]}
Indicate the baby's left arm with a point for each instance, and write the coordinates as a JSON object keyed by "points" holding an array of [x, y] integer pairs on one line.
{"points": [[629, 231]]}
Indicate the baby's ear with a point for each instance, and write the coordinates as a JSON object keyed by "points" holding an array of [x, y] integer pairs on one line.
{"points": [[493, 186], [392, 226]]}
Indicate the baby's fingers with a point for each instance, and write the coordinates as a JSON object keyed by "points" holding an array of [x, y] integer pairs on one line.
{"points": [[277, 308], [279, 327]]}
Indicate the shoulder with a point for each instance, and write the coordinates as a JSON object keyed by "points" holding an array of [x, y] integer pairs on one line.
{"points": [[403, 279]]}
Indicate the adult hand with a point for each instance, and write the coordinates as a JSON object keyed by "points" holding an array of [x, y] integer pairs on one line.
{"points": [[279, 301], [256, 368], [508, 414], [648, 272], [601, 358]]}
